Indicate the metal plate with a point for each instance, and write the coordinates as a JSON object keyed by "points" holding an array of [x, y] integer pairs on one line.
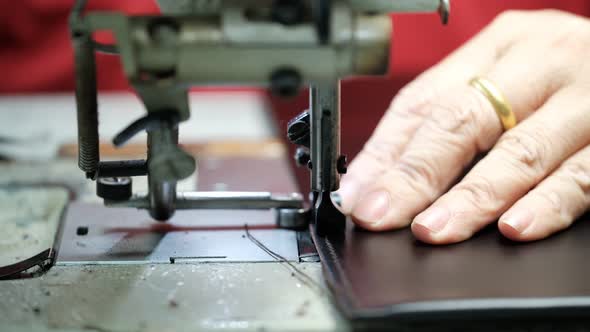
{"points": [[129, 236]]}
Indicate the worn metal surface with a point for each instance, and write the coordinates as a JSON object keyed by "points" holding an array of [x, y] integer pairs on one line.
{"points": [[189, 295], [194, 297], [29, 221], [125, 235], [129, 236]]}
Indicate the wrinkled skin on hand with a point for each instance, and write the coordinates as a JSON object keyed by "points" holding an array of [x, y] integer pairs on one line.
{"points": [[534, 180]]}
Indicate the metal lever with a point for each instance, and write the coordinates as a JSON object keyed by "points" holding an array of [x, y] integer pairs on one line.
{"points": [[298, 130], [290, 209], [236, 200], [149, 122], [168, 162]]}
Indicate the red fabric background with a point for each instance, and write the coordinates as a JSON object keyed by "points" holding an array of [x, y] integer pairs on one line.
{"points": [[35, 53]]}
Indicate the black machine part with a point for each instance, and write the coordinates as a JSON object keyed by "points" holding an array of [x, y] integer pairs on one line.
{"points": [[115, 188]]}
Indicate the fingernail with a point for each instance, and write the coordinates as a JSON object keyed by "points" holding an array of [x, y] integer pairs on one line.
{"points": [[348, 192], [336, 198], [519, 219], [373, 207], [434, 219]]}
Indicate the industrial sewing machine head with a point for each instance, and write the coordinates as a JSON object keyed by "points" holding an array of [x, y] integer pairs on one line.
{"points": [[281, 44]]}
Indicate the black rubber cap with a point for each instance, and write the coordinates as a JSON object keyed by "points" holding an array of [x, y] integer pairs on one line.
{"points": [[114, 189]]}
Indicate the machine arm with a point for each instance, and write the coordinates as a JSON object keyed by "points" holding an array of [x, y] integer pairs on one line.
{"points": [[282, 44]]}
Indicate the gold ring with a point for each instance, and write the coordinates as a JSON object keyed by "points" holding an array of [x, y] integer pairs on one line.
{"points": [[496, 98]]}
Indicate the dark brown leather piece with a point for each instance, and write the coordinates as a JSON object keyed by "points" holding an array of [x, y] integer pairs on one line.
{"points": [[380, 276]]}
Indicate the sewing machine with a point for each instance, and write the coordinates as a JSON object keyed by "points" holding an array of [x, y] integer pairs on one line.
{"points": [[119, 270], [284, 45]]}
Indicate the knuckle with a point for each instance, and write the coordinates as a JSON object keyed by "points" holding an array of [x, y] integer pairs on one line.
{"points": [[381, 152], [421, 174], [465, 120], [527, 151], [551, 199], [480, 193], [545, 21], [569, 40], [548, 12], [450, 117], [457, 116], [579, 173], [509, 17], [411, 101], [552, 14], [517, 16]]}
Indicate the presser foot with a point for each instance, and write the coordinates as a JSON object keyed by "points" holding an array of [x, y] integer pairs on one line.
{"points": [[327, 218]]}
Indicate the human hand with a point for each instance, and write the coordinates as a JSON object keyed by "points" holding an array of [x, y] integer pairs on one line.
{"points": [[535, 178]]}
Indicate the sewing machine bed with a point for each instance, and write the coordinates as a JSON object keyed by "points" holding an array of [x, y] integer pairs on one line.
{"points": [[391, 280]]}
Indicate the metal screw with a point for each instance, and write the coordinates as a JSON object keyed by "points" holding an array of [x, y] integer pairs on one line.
{"points": [[302, 156]]}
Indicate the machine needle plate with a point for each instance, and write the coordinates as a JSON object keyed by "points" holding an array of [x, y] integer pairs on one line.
{"points": [[94, 234]]}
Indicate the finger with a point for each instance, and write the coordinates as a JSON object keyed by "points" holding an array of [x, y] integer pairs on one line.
{"points": [[404, 116], [527, 95], [554, 204], [521, 159], [411, 107], [462, 124]]}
